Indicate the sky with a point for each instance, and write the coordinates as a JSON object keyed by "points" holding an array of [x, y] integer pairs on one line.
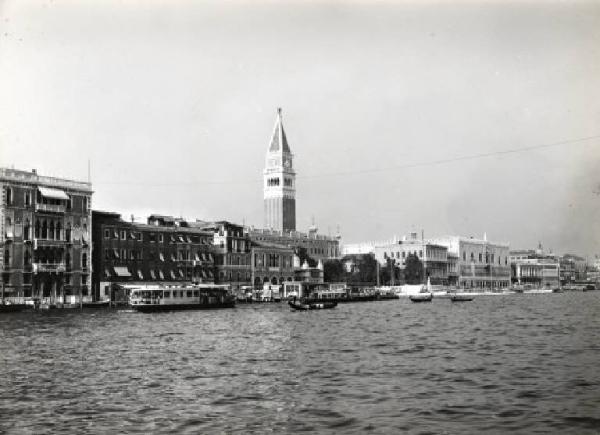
{"points": [[447, 117]]}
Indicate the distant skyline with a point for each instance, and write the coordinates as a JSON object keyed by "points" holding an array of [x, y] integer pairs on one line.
{"points": [[399, 114]]}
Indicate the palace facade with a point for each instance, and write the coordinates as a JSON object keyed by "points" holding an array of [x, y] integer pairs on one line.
{"points": [[45, 237], [481, 264], [163, 250]]}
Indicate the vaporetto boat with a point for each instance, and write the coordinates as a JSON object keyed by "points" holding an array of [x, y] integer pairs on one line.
{"points": [[149, 298]]}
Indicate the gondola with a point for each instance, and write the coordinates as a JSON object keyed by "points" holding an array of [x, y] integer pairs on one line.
{"points": [[300, 306], [421, 297], [461, 298]]}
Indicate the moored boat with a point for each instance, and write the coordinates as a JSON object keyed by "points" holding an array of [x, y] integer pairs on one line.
{"points": [[461, 297], [11, 308], [181, 297], [303, 306], [421, 297]]}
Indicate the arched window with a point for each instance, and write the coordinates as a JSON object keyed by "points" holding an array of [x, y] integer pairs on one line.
{"points": [[27, 258], [51, 232], [68, 261], [26, 230], [68, 232], [84, 260], [6, 257], [45, 230], [58, 230], [9, 196]]}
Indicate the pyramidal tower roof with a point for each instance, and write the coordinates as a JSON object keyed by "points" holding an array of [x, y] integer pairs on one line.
{"points": [[278, 140]]}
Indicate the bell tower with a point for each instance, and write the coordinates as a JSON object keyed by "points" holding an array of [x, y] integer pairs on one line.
{"points": [[279, 182]]}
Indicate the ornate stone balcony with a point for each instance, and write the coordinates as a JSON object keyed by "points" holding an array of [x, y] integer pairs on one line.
{"points": [[40, 243], [49, 267], [50, 208]]}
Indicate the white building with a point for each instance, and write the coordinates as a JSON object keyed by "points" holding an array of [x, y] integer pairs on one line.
{"points": [[481, 264], [433, 256]]}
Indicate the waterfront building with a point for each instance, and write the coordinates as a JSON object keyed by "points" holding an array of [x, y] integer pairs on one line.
{"points": [[45, 237], [366, 247], [233, 250], [533, 267], [318, 247], [360, 248], [271, 264], [573, 268], [481, 264], [453, 270], [279, 182], [433, 256], [163, 250], [305, 273]]}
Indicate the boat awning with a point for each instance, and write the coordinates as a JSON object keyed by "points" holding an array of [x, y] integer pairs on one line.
{"points": [[53, 193], [122, 272]]}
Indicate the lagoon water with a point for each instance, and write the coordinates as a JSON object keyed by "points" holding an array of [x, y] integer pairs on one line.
{"points": [[515, 363]]}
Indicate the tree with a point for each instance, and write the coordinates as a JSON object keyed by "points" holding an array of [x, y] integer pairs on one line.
{"points": [[413, 270], [385, 273], [334, 271], [365, 270]]}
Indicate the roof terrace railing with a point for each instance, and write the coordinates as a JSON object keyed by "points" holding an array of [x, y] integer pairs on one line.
{"points": [[32, 177]]}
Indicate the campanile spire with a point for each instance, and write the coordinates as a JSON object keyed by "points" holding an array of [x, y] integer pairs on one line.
{"points": [[279, 182]]}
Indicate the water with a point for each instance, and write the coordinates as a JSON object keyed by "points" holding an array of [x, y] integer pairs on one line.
{"points": [[519, 363]]}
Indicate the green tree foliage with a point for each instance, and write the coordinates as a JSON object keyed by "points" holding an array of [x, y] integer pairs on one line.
{"points": [[413, 270]]}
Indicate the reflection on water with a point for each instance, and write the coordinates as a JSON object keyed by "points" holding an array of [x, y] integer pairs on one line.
{"points": [[503, 363]]}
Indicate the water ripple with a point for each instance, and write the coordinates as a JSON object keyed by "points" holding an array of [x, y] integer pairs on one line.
{"points": [[501, 364]]}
